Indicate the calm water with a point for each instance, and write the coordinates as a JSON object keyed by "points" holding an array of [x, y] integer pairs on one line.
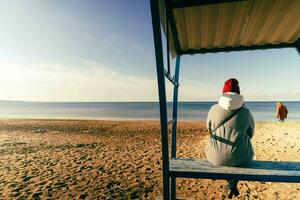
{"points": [[262, 111]]}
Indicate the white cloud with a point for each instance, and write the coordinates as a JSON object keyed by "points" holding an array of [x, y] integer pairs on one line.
{"points": [[92, 81], [53, 82]]}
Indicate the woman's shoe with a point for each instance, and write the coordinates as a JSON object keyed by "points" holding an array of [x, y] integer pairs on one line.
{"points": [[232, 192]]}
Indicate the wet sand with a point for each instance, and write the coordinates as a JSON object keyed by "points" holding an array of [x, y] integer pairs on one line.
{"points": [[73, 159]]}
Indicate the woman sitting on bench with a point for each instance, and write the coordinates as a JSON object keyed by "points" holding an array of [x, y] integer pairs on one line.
{"points": [[231, 128]]}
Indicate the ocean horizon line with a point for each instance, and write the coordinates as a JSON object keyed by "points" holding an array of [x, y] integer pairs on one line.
{"points": [[205, 101]]}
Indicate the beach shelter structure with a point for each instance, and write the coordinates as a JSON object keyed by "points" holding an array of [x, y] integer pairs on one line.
{"points": [[211, 26]]}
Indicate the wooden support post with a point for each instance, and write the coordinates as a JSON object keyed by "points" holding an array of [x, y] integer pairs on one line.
{"points": [[162, 96], [174, 124]]}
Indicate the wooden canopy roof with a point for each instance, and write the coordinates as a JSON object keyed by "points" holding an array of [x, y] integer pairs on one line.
{"points": [[204, 26]]}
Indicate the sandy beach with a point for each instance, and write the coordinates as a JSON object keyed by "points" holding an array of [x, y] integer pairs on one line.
{"points": [[73, 159]]}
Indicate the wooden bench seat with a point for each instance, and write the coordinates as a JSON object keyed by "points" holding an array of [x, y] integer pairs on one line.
{"points": [[270, 171]]}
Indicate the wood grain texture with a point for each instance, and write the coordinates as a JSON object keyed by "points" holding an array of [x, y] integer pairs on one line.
{"points": [[256, 171]]}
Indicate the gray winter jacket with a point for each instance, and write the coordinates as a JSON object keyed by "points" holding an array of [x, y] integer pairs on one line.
{"points": [[231, 142]]}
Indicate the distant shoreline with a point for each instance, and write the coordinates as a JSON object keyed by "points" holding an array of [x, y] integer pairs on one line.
{"points": [[213, 101]]}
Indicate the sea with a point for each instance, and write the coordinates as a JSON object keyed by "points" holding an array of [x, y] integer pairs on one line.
{"points": [[187, 111]]}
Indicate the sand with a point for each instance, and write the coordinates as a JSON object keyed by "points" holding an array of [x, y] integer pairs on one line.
{"points": [[69, 159]]}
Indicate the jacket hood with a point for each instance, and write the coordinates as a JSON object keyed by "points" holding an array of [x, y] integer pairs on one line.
{"points": [[231, 101]]}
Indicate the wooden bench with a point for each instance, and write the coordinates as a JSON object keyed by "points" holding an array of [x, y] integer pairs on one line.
{"points": [[271, 171]]}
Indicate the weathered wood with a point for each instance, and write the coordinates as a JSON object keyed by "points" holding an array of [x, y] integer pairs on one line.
{"points": [[256, 171]]}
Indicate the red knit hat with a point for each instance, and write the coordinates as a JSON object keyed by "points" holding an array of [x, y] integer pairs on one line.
{"points": [[231, 85]]}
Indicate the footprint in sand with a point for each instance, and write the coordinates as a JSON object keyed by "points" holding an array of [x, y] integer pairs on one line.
{"points": [[26, 178], [36, 195]]}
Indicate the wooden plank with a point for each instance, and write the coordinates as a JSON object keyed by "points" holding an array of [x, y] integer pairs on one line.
{"points": [[256, 171], [191, 3]]}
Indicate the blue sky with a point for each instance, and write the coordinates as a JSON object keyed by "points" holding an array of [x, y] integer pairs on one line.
{"points": [[102, 50]]}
